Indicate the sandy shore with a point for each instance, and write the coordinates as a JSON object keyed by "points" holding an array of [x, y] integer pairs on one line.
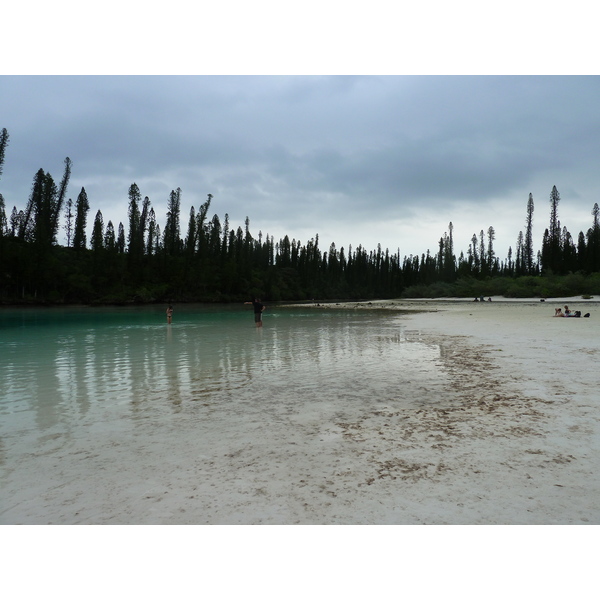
{"points": [[517, 442], [512, 439]]}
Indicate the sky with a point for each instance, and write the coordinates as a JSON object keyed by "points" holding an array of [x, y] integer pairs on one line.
{"points": [[357, 159]]}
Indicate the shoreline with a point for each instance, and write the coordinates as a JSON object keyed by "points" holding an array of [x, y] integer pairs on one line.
{"points": [[506, 430], [524, 425]]}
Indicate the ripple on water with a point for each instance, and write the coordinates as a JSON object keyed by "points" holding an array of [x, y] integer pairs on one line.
{"points": [[110, 375]]}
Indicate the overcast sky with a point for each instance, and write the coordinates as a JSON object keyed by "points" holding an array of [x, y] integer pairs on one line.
{"points": [[388, 159]]}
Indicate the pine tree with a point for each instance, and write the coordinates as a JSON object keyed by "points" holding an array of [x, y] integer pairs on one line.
{"points": [[225, 236], [581, 252], [449, 258], [152, 233], [490, 249], [97, 240], [3, 221], [134, 215], [60, 198], [554, 229], [201, 226], [82, 206], [69, 224], [121, 239], [215, 237], [15, 221], [190, 241], [143, 225], [3, 144], [109, 237], [528, 241], [519, 262], [172, 236], [475, 253], [551, 246]]}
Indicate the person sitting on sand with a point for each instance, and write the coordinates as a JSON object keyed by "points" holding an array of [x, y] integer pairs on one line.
{"points": [[567, 311], [558, 312]]}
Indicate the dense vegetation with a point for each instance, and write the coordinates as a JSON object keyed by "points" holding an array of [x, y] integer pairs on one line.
{"points": [[214, 262]]}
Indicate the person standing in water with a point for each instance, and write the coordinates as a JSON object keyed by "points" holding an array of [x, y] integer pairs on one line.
{"points": [[170, 314], [258, 309]]}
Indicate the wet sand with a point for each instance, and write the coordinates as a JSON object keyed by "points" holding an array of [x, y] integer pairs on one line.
{"points": [[519, 444], [515, 439]]}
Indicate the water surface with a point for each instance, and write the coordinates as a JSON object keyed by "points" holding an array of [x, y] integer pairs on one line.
{"points": [[102, 377]]}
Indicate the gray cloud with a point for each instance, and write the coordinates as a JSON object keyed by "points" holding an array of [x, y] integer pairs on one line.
{"points": [[343, 155]]}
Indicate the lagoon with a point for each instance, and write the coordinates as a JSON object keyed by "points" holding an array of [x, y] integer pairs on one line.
{"points": [[109, 401]]}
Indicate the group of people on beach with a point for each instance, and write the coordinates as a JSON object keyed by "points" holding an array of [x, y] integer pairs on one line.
{"points": [[258, 310], [568, 313]]}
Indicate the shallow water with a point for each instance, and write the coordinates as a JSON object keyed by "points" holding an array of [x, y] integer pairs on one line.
{"points": [[73, 378]]}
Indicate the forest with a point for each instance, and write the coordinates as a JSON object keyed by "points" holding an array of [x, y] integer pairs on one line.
{"points": [[213, 261]]}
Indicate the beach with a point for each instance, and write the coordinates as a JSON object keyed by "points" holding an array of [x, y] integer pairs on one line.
{"points": [[501, 427], [514, 438], [522, 442]]}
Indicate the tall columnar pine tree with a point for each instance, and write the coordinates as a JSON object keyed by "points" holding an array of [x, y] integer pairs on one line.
{"points": [[134, 214], [121, 239], [582, 257], [551, 245], [82, 207], [3, 144], [153, 235], [3, 221], [172, 239], [482, 259], [225, 237], [143, 225], [97, 240], [110, 241], [69, 221], [528, 241], [491, 255], [201, 226], [519, 263], [191, 238], [475, 253], [14, 225], [62, 191]]}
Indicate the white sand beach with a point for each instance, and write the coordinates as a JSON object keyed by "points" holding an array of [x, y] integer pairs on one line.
{"points": [[520, 444], [514, 441], [510, 436]]}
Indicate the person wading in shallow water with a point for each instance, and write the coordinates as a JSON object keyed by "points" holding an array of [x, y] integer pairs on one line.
{"points": [[258, 309], [170, 314]]}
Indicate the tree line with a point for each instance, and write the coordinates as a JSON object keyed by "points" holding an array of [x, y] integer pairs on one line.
{"points": [[214, 262]]}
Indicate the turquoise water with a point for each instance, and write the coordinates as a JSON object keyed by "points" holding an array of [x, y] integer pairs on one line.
{"points": [[104, 377], [61, 362]]}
